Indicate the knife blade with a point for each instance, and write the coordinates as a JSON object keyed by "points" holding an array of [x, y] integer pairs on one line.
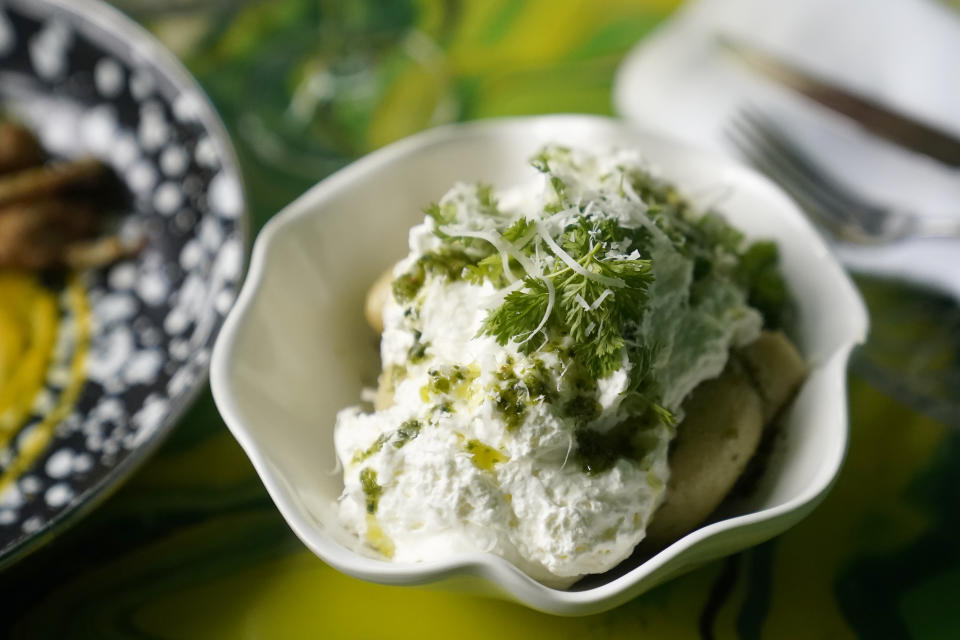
{"points": [[879, 119]]}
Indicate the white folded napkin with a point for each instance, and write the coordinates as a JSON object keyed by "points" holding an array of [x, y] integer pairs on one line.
{"points": [[904, 53]]}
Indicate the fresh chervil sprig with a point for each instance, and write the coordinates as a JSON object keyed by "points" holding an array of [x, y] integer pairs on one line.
{"points": [[585, 284], [595, 296], [577, 276], [519, 315]]}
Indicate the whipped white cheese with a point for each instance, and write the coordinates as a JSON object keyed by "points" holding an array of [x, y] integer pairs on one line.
{"points": [[481, 449]]}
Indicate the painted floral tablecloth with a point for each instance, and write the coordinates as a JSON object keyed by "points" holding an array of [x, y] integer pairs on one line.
{"points": [[192, 547]]}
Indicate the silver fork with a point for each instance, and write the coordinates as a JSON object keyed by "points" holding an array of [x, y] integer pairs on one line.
{"points": [[837, 207]]}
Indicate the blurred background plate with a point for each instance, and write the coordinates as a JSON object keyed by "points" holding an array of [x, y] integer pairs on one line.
{"points": [[127, 346]]}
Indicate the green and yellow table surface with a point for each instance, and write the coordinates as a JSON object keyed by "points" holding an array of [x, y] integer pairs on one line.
{"points": [[192, 547]]}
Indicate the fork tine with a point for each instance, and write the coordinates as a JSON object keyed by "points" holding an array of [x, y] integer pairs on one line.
{"points": [[830, 212], [812, 207], [774, 150], [800, 161], [865, 221], [764, 142], [763, 157]]}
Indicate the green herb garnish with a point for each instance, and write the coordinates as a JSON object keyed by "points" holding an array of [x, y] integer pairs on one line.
{"points": [[372, 490], [407, 432], [404, 434], [418, 350], [616, 270], [592, 302]]}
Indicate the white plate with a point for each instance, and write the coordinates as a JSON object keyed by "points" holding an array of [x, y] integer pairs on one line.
{"points": [[296, 349], [680, 79]]}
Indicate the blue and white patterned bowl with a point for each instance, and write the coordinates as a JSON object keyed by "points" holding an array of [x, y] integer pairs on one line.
{"points": [[134, 339]]}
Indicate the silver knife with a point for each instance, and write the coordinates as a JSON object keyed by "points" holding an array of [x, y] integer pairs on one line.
{"points": [[881, 120]]}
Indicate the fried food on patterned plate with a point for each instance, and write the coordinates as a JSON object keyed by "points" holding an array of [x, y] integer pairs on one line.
{"points": [[54, 214]]}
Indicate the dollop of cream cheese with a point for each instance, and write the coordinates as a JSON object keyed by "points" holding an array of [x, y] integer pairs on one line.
{"points": [[476, 452]]}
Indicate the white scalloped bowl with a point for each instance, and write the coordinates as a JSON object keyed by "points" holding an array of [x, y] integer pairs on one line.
{"points": [[295, 349]]}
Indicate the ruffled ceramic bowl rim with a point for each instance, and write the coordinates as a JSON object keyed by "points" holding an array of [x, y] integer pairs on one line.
{"points": [[502, 578]]}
